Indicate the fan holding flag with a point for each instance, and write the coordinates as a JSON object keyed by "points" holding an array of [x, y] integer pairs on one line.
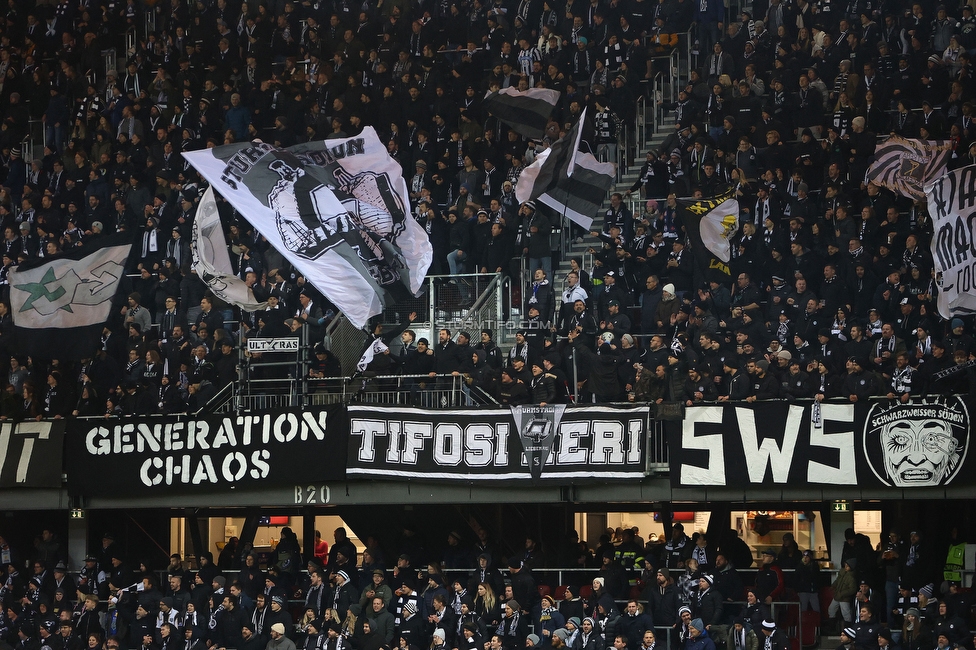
{"points": [[571, 182], [710, 224]]}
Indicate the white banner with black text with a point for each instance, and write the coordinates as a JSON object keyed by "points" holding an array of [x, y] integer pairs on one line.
{"points": [[518, 443]]}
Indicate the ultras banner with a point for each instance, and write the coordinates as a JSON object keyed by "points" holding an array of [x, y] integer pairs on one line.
{"points": [[952, 207], [218, 452], [520, 443], [884, 443], [30, 454]]}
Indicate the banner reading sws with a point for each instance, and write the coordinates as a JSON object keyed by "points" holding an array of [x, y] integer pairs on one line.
{"points": [[157, 454], [883, 443], [521, 443]]}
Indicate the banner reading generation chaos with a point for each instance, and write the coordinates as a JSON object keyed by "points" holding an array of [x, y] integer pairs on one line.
{"points": [[883, 443], [524, 442], [157, 454]]}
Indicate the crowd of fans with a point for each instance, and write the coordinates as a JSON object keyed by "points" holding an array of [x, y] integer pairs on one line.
{"points": [[670, 593], [833, 285], [833, 288]]}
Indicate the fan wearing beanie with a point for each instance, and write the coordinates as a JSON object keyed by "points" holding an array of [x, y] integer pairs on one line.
{"points": [[698, 638], [773, 639]]}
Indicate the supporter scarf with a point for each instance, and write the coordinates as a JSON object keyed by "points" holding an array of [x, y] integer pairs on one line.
{"points": [[257, 618], [886, 345], [924, 347], [739, 639], [149, 243], [783, 333]]}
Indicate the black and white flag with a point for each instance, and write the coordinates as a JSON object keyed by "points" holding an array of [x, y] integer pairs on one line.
{"points": [[569, 181], [906, 165], [211, 261], [950, 202], [376, 346], [711, 223], [338, 210], [580, 196], [60, 305], [526, 112]]}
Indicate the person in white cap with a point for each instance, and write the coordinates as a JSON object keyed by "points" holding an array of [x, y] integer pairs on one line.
{"points": [[668, 308], [278, 639], [437, 639]]}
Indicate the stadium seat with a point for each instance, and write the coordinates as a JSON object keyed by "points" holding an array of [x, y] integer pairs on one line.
{"points": [[544, 590], [586, 591]]}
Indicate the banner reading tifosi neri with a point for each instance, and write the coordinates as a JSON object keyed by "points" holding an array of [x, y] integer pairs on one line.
{"points": [[524, 442]]}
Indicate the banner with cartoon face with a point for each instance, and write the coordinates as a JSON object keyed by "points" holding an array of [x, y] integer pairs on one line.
{"points": [[880, 443]]}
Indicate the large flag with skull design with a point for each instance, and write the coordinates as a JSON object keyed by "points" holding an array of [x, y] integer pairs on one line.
{"points": [[338, 210]]}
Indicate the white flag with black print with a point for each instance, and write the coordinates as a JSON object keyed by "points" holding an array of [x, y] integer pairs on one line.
{"points": [[337, 210], [950, 203], [211, 261], [374, 348]]}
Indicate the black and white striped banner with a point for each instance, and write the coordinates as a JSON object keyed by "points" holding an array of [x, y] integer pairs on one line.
{"points": [[906, 165], [527, 113]]}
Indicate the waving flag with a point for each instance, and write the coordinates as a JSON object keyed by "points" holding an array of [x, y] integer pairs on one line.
{"points": [[569, 181], [526, 112], [377, 346], [711, 224], [211, 261], [953, 240], [338, 210], [580, 196], [551, 165], [60, 305], [906, 165]]}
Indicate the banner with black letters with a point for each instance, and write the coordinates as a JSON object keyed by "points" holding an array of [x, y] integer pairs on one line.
{"points": [[883, 443], [31, 454], [517, 443], [217, 452], [952, 207]]}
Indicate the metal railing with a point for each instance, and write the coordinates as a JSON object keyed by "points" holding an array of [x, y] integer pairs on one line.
{"points": [[149, 21], [657, 96], [641, 123], [110, 61], [439, 391], [131, 41]]}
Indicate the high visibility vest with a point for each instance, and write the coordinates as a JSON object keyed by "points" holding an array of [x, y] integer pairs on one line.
{"points": [[955, 562]]}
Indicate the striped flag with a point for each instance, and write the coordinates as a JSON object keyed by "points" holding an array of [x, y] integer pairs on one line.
{"points": [[580, 196], [527, 113], [555, 162], [906, 165]]}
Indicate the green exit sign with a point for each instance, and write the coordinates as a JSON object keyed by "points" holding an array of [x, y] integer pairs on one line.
{"points": [[841, 506]]}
